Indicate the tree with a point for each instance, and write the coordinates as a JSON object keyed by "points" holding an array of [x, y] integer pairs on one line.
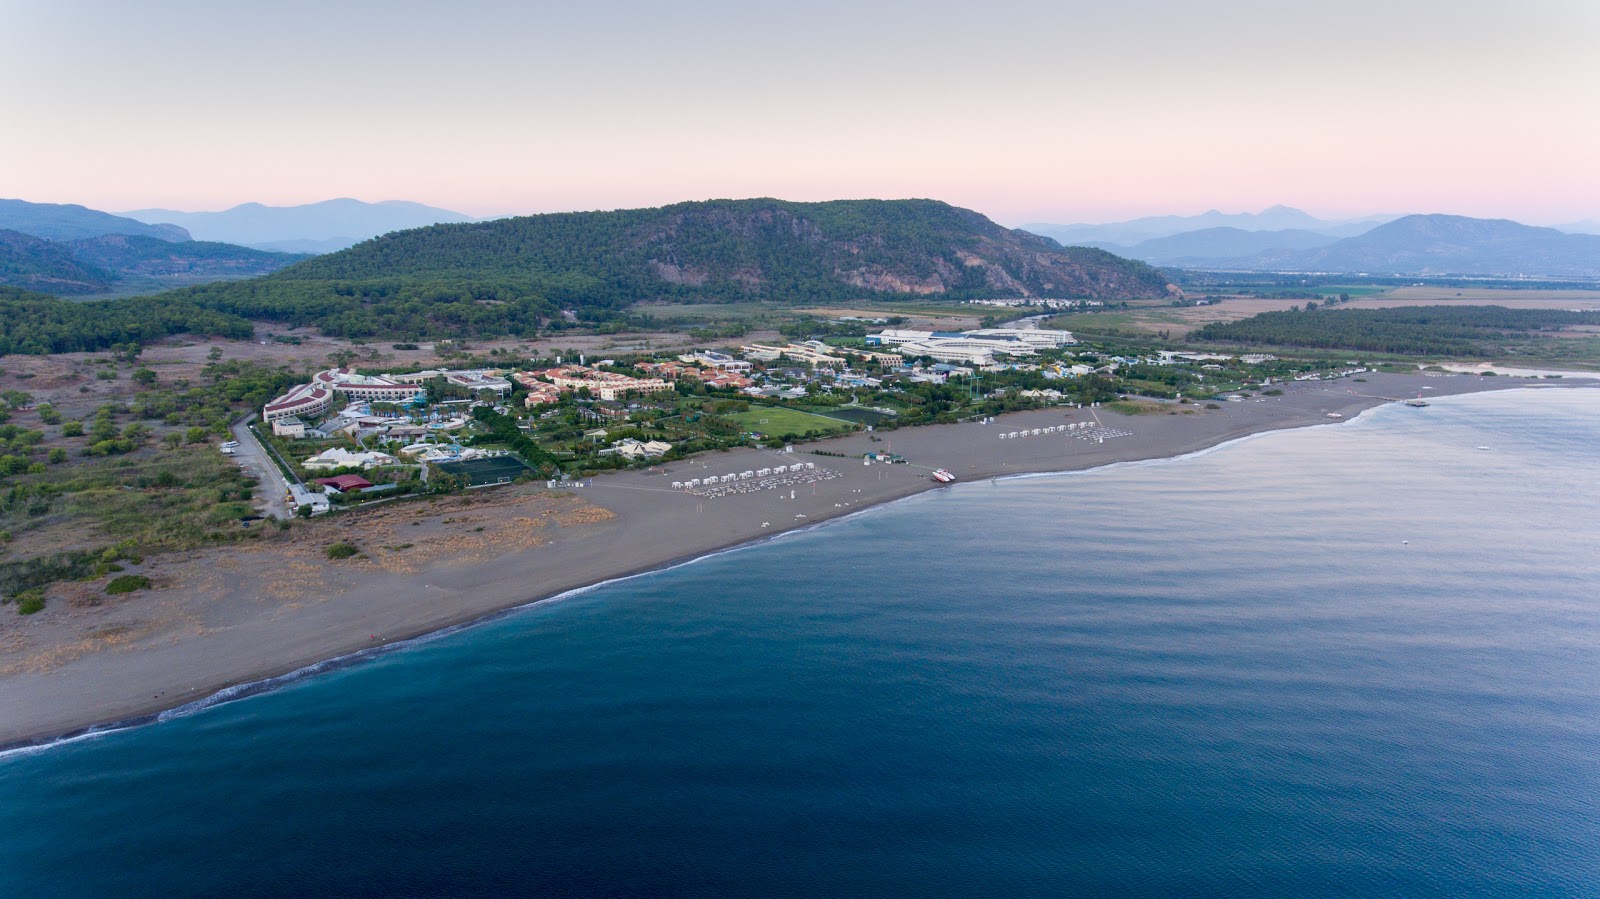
{"points": [[144, 376]]}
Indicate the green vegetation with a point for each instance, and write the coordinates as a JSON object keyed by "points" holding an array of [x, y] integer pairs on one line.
{"points": [[503, 429], [127, 583], [777, 421], [120, 508], [584, 270], [1408, 330], [36, 324], [1130, 407], [28, 601], [342, 550]]}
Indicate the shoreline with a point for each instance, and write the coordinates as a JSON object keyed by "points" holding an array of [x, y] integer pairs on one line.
{"points": [[259, 650]]}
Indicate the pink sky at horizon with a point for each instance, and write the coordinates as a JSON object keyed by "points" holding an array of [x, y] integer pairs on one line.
{"points": [[1029, 112]]}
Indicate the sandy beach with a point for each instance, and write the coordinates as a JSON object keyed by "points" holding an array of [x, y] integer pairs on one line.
{"points": [[232, 617]]}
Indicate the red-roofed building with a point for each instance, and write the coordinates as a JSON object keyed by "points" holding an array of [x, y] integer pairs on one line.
{"points": [[345, 483]]}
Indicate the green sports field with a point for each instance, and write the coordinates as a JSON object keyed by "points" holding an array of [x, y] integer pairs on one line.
{"points": [[773, 420]]}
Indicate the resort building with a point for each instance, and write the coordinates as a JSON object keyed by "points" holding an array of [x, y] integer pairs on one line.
{"points": [[344, 483], [978, 347], [603, 384], [313, 399], [289, 426], [635, 450], [711, 377], [713, 359], [957, 350], [472, 379], [303, 498], [541, 394], [339, 457], [890, 360], [1037, 338], [798, 352]]}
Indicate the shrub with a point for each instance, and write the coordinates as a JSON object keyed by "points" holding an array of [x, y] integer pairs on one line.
{"points": [[128, 583], [342, 550], [72, 429], [29, 601], [110, 448]]}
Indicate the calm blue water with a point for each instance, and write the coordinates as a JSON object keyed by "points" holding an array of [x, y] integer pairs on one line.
{"points": [[1225, 675]]}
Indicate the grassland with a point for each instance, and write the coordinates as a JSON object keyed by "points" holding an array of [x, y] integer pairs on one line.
{"points": [[76, 521], [779, 421]]}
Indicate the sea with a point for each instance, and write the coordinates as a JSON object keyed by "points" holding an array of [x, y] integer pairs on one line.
{"points": [[1361, 659]]}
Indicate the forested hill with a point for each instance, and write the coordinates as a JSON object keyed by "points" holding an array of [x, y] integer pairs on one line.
{"points": [[515, 275], [766, 248], [518, 276]]}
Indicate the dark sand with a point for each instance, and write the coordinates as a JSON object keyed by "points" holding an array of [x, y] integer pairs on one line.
{"points": [[236, 618]]}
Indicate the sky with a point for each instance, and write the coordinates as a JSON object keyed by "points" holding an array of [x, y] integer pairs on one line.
{"points": [[1026, 111]]}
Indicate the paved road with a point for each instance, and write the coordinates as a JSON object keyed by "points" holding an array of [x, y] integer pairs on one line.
{"points": [[252, 457]]}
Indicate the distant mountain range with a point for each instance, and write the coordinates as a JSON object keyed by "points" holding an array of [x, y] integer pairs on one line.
{"points": [[324, 227], [1406, 245], [125, 263], [1122, 236], [56, 221], [1445, 245]]}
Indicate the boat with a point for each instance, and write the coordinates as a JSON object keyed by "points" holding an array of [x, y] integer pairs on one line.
{"points": [[1419, 402], [943, 476]]}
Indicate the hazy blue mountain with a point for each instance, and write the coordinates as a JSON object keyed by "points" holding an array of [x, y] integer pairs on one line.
{"points": [[44, 266], [1209, 246], [313, 228], [1124, 236], [57, 221], [1587, 226], [126, 263], [1447, 244]]}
